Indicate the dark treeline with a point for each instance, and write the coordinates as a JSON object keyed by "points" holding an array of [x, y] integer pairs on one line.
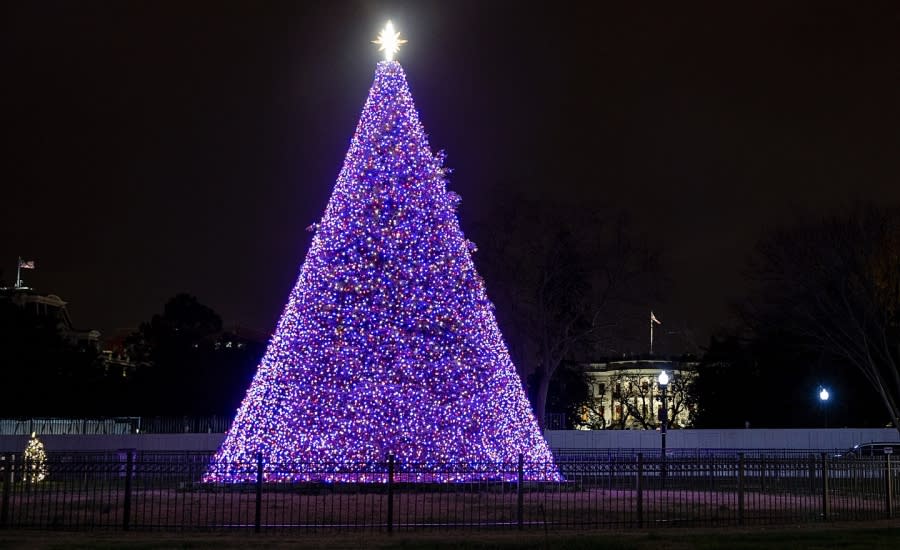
{"points": [[181, 362], [822, 311], [43, 373]]}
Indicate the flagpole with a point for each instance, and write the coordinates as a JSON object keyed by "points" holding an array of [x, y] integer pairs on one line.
{"points": [[19, 272], [653, 319]]}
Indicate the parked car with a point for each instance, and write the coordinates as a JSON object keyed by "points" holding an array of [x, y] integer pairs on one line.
{"points": [[874, 449]]}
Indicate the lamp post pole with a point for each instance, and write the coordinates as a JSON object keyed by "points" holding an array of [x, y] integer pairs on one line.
{"points": [[664, 416]]}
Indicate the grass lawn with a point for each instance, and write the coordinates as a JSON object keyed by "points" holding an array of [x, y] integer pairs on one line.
{"points": [[846, 536]]}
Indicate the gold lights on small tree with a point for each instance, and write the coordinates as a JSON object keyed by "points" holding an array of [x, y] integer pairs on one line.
{"points": [[34, 467]]}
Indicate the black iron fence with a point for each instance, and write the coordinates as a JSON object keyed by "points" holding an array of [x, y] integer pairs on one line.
{"points": [[166, 491]]}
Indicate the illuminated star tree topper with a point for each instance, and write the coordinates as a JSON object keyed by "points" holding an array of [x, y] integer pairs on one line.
{"points": [[388, 344], [389, 41]]}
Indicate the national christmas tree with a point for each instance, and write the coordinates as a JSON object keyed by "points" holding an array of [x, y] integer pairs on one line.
{"points": [[388, 344]]}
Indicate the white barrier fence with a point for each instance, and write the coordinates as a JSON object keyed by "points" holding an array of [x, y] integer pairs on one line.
{"points": [[836, 438]]}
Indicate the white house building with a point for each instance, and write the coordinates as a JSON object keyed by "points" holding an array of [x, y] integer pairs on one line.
{"points": [[626, 394]]}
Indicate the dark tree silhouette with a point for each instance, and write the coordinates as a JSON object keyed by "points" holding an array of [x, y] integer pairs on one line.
{"points": [[565, 279], [835, 287], [771, 380], [568, 393], [43, 373], [187, 363], [823, 311]]}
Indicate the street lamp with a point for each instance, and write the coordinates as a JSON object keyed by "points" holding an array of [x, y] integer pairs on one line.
{"points": [[664, 414], [823, 401]]}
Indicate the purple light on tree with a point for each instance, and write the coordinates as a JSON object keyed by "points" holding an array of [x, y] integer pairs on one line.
{"points": [[388, 344]]}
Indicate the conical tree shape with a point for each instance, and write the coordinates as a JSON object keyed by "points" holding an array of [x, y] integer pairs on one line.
{"points": [[388, 344]]}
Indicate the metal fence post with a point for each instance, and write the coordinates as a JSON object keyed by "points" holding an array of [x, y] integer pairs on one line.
{"points": [[812, 473], [520, 496], [740, 494], [8, 463], [824, 487], [888, 487], [390, 494], [257, 522], [129, 474], [640, 489], [609, 466], [763, 472]]}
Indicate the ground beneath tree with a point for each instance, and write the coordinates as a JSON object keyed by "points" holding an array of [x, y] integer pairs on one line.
{"points": [[858, 535]]}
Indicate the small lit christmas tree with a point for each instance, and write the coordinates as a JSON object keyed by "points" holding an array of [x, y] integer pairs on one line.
{"points": [[34, 461], [388, 344]]}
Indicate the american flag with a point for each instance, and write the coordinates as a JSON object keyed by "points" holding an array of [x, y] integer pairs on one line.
{"points": [[26, 265]]}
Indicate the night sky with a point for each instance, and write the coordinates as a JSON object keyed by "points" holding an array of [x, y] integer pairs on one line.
{"points": [[151, 148]]}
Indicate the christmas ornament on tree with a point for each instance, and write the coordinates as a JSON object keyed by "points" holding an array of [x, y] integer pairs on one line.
{"points": [[388, 344], [34, 461]]}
